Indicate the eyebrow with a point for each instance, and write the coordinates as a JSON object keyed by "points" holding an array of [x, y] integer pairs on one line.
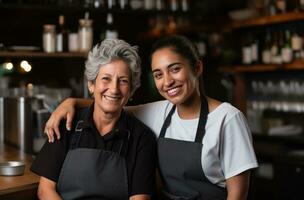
{"points": [[169, 66], [107, 74]]}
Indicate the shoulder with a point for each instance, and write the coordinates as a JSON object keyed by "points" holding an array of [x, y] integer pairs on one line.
{"points": [[147, 108], [151, 114], [225, 111], [138, 128]]}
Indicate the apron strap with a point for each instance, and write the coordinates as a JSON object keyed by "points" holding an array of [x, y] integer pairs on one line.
{"points": [[167, 122], [200, 132], [76, 135]]}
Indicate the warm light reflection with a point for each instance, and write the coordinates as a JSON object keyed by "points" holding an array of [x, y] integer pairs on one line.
{"points": [[25, 66], [8, 65]]}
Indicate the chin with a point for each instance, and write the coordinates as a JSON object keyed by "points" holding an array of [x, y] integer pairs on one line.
{"points": [[174, 100]]}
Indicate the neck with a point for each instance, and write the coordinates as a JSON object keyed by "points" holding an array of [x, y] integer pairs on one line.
{"points": [[105, 122], [190, 109]]}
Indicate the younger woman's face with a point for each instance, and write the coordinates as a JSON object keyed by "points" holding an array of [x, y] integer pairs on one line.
{"points": [[173, 76]]}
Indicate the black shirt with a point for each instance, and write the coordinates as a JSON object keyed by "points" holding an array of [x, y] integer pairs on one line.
{"points": [[130, 137]]}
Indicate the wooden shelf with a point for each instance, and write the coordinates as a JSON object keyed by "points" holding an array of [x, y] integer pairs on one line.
{"points": [[295, 65], [267, 20], [81, 8], [33, 54]]}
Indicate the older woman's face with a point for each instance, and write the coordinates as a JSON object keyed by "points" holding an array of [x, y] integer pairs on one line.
{"points": [[112, 87]]}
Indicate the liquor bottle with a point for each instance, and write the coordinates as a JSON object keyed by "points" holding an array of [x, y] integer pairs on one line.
{"points": [[272, 8], [111, 32], [286, 51], [266, 52], [173, 4], [275, 50], [281, 6], [296, 44], [112, 4], [124, 4], [254, 50], [61, 35], [247, 51]]}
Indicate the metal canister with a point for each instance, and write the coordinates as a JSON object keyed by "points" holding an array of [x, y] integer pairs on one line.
{"points": [[49, 38], [85, 35]]}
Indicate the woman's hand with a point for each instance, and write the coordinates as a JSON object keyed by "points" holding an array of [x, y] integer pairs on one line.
{"points": [[237, 186], [65, 110]]}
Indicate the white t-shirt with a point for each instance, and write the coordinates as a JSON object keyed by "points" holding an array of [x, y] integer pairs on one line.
{"points": [[227, 144]]}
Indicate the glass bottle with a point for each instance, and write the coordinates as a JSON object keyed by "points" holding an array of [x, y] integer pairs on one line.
{"points": [[85, 35], [266, 52], [62, 36], [111, 32], [286, 49], [48, 38]]}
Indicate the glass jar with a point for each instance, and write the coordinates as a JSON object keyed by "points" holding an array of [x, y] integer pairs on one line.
{"points": [[49, 38], [85, 35]]}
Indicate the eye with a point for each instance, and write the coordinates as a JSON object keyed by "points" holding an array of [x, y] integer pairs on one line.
{"points": [[124, 81], [175, 69], [105, 78], [157, 75]]}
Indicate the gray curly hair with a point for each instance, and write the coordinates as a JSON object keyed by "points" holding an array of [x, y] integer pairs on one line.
{"points": [[108, 50]]}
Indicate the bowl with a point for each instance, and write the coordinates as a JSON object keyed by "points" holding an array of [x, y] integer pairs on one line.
{"points": [[12, 168]]}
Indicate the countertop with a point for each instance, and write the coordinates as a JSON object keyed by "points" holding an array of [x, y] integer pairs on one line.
{"points": [[25, 184]]}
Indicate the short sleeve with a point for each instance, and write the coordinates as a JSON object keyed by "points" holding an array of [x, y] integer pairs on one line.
{"points": [[237, 153], [50, 159], [143, 176]]}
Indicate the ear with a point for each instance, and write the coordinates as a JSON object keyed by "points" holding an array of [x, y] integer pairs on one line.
{"points": [[91, 87], [199, 68]]}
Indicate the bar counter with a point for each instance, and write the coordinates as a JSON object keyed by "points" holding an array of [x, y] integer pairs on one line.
{"points": [[17, 187]]}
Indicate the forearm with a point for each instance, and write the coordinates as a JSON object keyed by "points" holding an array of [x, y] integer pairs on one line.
{"points": [[47, 190], [48, 195], [140, 197], [238, 186], [79, 102]]}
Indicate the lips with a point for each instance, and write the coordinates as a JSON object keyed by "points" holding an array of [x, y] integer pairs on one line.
{"points": [[174, 91], [111, 98]]}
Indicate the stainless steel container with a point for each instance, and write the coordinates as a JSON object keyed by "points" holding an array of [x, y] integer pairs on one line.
{"points": [[12, 168], [18, 118]]}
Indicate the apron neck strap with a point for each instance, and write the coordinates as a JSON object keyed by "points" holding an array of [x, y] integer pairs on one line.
{"points": [[77, 134], [167, 122], [200, 132]]}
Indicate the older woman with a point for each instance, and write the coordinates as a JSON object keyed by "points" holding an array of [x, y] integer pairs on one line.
{"points": [[108, 154]]}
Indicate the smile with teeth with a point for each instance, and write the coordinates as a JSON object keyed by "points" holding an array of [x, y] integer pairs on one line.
{"points": [[111, 98], [173, 91]]}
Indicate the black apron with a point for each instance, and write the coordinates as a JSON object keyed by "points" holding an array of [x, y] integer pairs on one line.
{"points": [[92, 173], [180, 164]]}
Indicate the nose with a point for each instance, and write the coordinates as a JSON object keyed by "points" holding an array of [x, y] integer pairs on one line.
{"points": [[168, 80], [114, 86]]}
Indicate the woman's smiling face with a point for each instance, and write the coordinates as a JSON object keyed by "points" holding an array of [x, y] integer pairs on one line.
{"points": [[173, 76], [112, 87]]}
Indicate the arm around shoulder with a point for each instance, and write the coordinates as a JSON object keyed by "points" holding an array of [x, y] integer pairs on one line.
{"points": [[66, 110], [140, 197]]}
